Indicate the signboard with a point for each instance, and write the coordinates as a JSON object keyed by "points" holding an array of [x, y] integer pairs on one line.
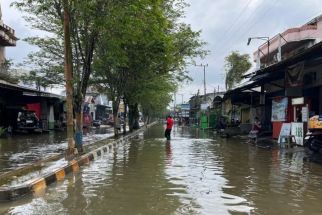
{"points": [[305, 114], [298, 132], [298, 101], [203, 106], [185, 106], [279, 110], [285, 130], [294, 75]]}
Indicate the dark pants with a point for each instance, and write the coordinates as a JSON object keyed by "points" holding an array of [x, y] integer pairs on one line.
{"points": [[167, 133]]}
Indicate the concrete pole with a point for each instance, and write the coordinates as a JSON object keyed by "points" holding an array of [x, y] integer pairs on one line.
{"points": [[204, 80], [51, 118], [279, 54]]}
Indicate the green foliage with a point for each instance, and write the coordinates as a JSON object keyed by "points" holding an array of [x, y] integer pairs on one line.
{"points": [[2, 131], [144, 51], [47, 15], [140, 48], [236, 65], [6, 72]]}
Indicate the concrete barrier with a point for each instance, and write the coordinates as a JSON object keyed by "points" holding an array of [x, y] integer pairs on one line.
{"points": [[39, 184]]}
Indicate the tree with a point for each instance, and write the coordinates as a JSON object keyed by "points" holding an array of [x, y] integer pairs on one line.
{"points": [[85, 22], [6, 72], [47, 64], [236, 65], [68, 72], [146, 53]]}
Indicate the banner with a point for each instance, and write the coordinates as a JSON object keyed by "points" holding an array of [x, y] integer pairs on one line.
{"points": [[285, 131], [294, 75], [298, 131], [279, 110]]}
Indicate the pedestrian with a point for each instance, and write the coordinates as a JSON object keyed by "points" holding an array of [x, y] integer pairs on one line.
{"points": [[167, 132], [9, 130], [256, 128]]}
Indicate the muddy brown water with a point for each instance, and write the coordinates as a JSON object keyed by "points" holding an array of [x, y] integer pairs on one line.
{"points": [[194, 173]]}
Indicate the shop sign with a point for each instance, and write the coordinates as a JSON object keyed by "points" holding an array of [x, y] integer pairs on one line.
{"points": [[279, 110], [298, 101], [298, 132], [185, 106]]}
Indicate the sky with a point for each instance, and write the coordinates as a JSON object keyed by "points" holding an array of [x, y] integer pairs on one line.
{"points": [[225, 24]]}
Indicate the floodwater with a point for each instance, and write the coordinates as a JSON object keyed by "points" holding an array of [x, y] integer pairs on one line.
{"points": [[22, 149], [195, 173]]}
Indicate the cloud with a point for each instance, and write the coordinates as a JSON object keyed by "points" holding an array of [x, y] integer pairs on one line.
{"points": [[225, 25]]}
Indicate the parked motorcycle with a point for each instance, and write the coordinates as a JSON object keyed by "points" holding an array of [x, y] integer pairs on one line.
{"points": [[313, 138]]}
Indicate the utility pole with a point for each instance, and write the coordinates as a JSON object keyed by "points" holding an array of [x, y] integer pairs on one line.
{"points": [[181, 98], [68, 67], [204, 78], [174, 105]]}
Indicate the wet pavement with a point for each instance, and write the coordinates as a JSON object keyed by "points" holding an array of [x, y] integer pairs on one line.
{"points": [[195, 173], [23, 149]]}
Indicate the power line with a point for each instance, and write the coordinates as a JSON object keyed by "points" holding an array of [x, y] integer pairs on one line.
{"points": [[236, 20], [229, 37]]}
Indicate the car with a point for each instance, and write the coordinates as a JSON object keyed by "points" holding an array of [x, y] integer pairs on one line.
{"points": [[27, 120], [97, 123]]}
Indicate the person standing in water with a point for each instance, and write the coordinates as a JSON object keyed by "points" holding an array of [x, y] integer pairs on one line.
{"points": [[167, 132]]}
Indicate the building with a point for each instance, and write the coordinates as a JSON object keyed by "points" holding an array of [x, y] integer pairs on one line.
{"points": [[7, 39], [17, 100], [287, 85]]}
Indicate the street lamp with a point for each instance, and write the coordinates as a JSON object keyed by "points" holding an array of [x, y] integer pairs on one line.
{"points": [[261, 38]]}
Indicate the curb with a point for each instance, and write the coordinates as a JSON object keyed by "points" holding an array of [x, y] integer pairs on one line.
{"points": [[39, 184]]}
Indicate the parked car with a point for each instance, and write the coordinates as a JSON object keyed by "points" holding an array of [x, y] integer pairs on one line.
{"points": [[27, 120], [97, 123], [110, 121]]}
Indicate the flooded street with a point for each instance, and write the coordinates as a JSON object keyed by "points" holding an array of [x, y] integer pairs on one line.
{"points": [[195, 173], [23, 149]]}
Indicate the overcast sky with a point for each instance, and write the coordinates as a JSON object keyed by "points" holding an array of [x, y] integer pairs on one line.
{"points": [[225, 26]]}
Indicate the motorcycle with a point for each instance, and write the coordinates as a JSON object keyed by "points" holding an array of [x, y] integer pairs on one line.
{"points": [[313, 138]]}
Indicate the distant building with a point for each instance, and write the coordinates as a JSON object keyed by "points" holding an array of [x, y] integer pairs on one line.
{"points": [[7, 38]]}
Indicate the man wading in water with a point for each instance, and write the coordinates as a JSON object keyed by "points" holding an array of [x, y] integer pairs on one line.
{"points": [[167, 132]]}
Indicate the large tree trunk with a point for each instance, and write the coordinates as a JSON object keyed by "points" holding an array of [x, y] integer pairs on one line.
{"points": [[125, 116], [115, 113], [134, 117], [79, 123], [136, 124], [69, 82], [131, 117]]}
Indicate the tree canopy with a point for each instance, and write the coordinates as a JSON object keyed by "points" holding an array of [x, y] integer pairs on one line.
{"points": [[138, 49], [236, 65]]}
